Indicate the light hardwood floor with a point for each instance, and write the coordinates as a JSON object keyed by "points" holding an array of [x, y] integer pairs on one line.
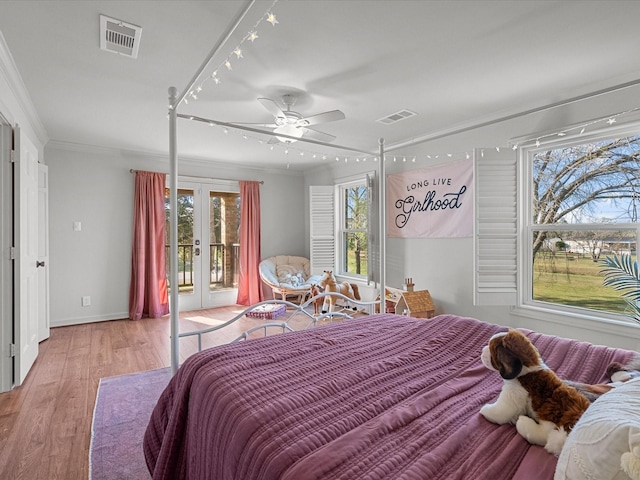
{"points": [[45, 424]]}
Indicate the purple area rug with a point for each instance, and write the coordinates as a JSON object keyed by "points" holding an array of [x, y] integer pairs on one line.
{"points": [[122, 411]]}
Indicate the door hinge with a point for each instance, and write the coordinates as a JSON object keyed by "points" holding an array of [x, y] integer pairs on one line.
{"points": [[12, 253], [12, 350], [12, 156]]}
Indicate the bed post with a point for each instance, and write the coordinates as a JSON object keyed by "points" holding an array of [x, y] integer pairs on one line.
{"points": [[382, 207], [173, 227]]}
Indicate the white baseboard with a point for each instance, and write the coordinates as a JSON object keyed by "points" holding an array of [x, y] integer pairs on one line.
{"points": [[80, 320]]}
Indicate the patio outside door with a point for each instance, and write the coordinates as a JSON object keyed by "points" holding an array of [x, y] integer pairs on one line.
{"points": [[208, 222]]}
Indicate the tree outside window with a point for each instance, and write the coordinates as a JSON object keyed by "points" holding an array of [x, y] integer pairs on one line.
{"points": [[584, 207], [354, 229]]}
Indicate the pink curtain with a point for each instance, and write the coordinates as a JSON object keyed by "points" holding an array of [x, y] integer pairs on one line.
{"points": [[148, 295], [249, 283]]}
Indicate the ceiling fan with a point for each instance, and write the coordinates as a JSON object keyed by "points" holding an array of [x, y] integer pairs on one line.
{"points": [[293, 124]]}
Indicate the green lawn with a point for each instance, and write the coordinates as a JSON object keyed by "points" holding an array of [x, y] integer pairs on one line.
{"points": [[576, 283]]}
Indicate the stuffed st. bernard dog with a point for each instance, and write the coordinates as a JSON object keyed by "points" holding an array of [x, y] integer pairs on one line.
{"points": [[542, 406]]}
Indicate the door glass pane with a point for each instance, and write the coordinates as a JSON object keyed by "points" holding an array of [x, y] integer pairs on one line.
{"points": [[185, 239], [224, 226]]}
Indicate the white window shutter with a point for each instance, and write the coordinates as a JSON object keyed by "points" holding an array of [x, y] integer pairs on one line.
{"points": [[496, 227], [322, 228]]}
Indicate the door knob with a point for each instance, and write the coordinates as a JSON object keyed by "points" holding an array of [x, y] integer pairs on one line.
{"points": [[197, 252], [39, 264]]}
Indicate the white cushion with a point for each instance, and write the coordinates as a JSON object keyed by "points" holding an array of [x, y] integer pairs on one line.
{"points": [[278, 271], [609, 429]]}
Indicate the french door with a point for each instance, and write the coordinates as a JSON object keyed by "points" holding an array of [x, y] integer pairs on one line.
{"points": [[208, 235]]}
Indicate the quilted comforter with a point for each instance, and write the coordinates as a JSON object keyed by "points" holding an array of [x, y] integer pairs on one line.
{"points": [[379, 397]]}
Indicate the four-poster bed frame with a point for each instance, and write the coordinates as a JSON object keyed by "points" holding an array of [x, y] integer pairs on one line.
{"points": [[383, 396], [175, 100]]}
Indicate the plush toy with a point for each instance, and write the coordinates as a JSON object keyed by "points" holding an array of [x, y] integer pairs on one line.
{"points": [[630, 463], [314, 291], [292, 280], [330, 284], [542, 406]]}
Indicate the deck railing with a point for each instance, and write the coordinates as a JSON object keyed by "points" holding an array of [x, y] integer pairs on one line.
{"points": [[218, 265]]}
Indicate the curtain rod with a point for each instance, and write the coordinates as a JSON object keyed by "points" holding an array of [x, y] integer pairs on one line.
{"points": [[261, 182]]}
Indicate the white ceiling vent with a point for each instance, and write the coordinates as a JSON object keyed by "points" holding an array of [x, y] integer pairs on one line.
{"points": [[119, 37], [396, 117]]}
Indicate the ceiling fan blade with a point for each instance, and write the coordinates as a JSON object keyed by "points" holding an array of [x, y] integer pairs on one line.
{"points": [[325, 117], [272, 107], [268, 125], [319, 136], [273, 140]]}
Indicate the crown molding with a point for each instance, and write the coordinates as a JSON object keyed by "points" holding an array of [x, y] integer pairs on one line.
{"points": [[9, 71], [164, 158]]}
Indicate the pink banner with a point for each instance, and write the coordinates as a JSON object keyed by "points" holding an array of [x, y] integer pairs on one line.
{"points": [[434, 202]]}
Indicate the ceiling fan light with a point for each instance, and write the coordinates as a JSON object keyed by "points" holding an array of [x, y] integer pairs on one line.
{"points": [[288, 130]]}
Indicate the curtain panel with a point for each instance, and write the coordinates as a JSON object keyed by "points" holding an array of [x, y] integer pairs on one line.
{"points": [[148, 295], [249, 282]]}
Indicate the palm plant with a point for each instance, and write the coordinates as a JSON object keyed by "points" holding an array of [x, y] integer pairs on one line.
{"points": [[621, 273]]}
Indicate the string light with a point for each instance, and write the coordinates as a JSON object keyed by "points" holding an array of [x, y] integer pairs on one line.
{"points": [[251, 36], [271, 18], [611, 119], [359, 158]]}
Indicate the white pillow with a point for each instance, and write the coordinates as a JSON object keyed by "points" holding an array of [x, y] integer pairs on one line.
{"points": [[606, 440]]}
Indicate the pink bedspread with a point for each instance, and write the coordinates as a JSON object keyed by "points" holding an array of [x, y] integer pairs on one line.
{"points": [[379, 397]]}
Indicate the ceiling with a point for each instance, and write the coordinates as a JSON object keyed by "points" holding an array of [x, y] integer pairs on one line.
{"points": [[455, 64]]}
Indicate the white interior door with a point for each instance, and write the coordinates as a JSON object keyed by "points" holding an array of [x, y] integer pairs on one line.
{"points": [[6, 272], [43, 252], [26, 245]]}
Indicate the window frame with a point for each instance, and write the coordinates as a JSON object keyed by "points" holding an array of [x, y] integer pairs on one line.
{"points": [[341, 185], [526, 304]]}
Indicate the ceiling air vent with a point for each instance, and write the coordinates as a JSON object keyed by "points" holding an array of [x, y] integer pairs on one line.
{"points": [[119, 37], [396, 117]]}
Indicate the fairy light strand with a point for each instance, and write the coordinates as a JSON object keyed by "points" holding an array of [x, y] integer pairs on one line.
{"points": [[235, 54], [288, 148]]}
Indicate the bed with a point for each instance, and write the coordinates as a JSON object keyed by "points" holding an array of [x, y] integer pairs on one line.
{"points": [[376, 397]]}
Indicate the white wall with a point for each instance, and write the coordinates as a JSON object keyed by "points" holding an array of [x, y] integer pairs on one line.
{"points": [[445, 266], [95, 187]]}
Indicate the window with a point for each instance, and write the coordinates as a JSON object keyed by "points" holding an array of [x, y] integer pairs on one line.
{"points": [[340, 227], [353, 228], [580, 199]]}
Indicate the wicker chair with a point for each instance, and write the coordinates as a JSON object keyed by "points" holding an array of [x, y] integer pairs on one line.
{"points": [[288, 275]]}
